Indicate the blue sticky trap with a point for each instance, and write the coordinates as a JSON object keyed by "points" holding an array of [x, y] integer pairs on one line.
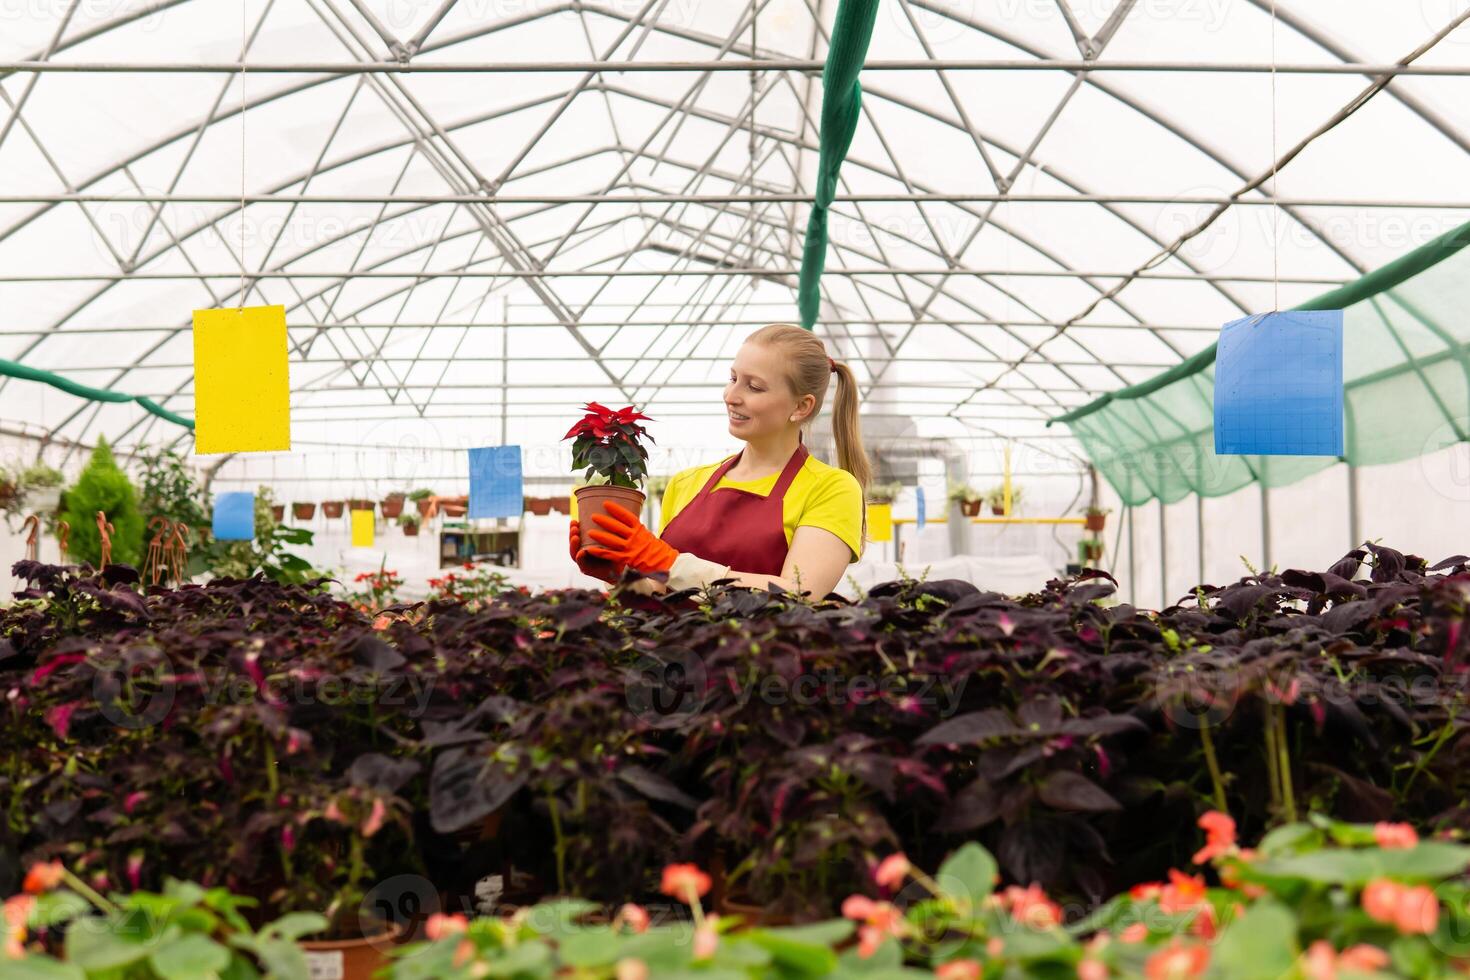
{"points": [[234, 516], [1278, 385], [919, 505], [495, 482]]}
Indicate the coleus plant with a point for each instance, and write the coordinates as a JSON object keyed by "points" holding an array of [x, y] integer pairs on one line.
{"points": [[609, 444], [1069, 736]]}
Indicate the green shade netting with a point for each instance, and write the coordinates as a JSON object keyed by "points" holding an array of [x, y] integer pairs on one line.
{"points": [[14, 369], [1406, 375], [842, 99]]}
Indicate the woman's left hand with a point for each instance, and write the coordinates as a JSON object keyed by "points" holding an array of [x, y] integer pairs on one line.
{"points": [[627, 542]]}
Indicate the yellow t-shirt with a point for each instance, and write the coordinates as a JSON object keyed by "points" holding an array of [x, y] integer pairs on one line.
{"points": [[820, 496]]}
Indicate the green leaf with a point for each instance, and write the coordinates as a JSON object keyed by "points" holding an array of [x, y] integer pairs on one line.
{"points": [[294, 925], [282, 958], [532, 958], [1412, 957], [1432, 860], [1347, 834], [92, 945], [595, 947], [1260, 944], [54, 908], [1291, 838], [190, 957], [35, 967], [888, 956], [968, 875], [795, 956]]}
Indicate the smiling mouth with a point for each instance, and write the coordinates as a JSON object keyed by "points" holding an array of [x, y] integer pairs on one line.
{"points": [[737, 417]]}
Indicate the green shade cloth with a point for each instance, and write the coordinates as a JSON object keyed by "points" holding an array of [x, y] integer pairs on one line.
{"points": [[16, 370], [1406, 373], [842, 99]]}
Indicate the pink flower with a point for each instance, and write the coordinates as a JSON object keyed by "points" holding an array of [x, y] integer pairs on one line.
{"points": [[440, 925], [1418, 911], [1136, 933], [706, 940], [1381, 899], [1006, 625], [958, 970], [1091, 969], [17, 913], [869, 939], [883, 916], [133, 799], [635, 916], [631, 969], [1219, 831], [1322, 962], [135, 870], [1177, 962], [43, 876], [1031, 907], [891, 872], [1363, 958], [684, 882], [1394, 835], [288, 838], [374, 821]]}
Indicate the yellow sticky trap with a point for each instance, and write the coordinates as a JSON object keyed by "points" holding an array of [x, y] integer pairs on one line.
{"points": [[242, 385], [573, 506], [362, 529], [880, 522]]}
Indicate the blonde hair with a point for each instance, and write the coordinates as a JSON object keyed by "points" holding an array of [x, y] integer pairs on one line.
{"points": [[809, 371]]}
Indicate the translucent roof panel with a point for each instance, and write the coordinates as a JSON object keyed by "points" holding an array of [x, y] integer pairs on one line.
{"points": [[480, 215]]}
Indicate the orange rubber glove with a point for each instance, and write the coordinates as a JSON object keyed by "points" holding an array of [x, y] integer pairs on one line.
{"points": [[588, 563], [628, 542]]}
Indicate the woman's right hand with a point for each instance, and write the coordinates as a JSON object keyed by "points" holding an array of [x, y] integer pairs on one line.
{"points": [[591, 565]]}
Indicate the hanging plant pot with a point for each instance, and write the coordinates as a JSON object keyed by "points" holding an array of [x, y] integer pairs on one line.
{"points": [[410, 530], [392, 507], [454, 510], [1091, 550], [279, 512], [970, 508], [999, 510], [1096, 522], [540, 506], [352, 959], [592, 500], [360, 505], [303, 512], [333, 508], [423, 506]]}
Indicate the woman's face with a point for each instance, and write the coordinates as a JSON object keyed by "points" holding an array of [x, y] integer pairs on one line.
{"points": [[758, 399]]}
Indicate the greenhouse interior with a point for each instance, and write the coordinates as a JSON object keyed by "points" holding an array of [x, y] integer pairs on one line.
{"points": [[792, 489]]}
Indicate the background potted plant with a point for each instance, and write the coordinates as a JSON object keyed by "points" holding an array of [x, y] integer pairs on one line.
{"points": [[393, 504], [967, 497], [609, 445], [360, 504], [884, 493], [539, 505], [410, 523], [1096, 518], [996, 498], [103, 486], [333, 508], [40, 488], [422, 500], [303, 511]]}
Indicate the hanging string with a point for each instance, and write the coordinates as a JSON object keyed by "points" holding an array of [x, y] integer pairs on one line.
{"points": [[244, 50], [1275, 195]]}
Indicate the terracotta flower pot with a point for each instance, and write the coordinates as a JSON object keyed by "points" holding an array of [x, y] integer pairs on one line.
{"points": [[351, 959], [423, 506], [279, 512], [998, 510], [1096, 522], [392, 507], [454, 510], [539, 505], [970, 508], [410, 530], [333, 508], [360, 505], [303, 512], [592, 500]]}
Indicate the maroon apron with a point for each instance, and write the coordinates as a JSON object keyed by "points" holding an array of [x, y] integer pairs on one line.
{"points": [[736, 527]]}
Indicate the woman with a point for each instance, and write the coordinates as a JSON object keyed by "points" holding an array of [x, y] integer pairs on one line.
{"points": [[770, 513]]}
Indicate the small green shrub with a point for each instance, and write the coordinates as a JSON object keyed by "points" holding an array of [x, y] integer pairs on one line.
{"points": [[103, 486]]}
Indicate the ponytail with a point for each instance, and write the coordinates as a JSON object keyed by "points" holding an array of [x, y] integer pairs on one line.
{"points": [[846, 432]]}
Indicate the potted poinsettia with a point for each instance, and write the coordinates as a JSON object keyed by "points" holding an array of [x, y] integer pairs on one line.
{"points": [[609, 446]]}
